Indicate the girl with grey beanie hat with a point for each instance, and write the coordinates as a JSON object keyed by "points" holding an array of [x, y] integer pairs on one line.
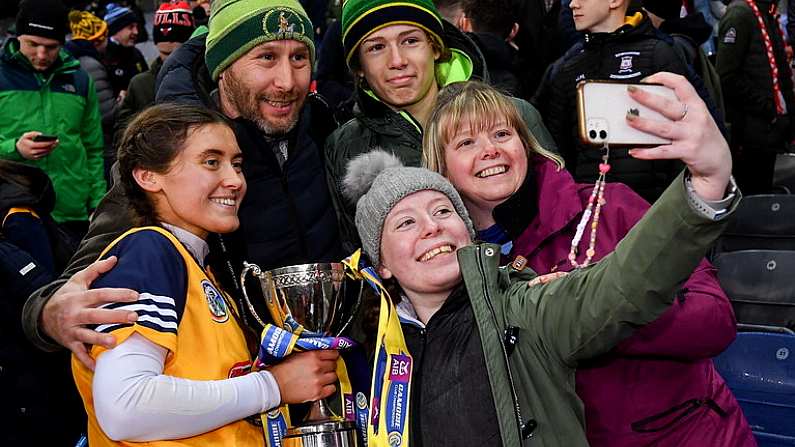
{"points": [[494, 356]]}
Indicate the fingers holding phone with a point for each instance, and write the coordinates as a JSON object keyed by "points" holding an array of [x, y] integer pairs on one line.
{"points": [[695, 137], [34, 145]]}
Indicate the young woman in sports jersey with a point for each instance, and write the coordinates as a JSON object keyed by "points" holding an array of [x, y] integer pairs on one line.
{"points": [[182, 370]]}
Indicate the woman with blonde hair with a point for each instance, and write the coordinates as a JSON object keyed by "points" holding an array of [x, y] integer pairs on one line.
{"points": [[657, 387]]}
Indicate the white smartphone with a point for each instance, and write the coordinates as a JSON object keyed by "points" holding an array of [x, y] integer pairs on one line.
{"points": [[602, 108]]}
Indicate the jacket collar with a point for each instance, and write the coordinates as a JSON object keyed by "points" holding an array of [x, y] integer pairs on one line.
{"points": [[557, 199], [634, 25], [65, 63], [456, 300]]}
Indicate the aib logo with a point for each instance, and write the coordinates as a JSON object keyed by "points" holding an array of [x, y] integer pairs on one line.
{"points": [[400, 368]]}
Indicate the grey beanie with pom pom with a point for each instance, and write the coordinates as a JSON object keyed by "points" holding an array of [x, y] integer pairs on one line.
{"points": [[377, 181]]}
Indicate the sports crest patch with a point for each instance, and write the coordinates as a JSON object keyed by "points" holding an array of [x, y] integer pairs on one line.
{"points": [[283, 20], [730, 36], [215, 302]]}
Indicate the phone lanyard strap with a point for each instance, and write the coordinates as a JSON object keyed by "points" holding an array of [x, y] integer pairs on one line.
{"points": [[597, 197]]}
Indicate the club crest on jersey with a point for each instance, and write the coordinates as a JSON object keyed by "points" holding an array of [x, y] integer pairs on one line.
{"points": [[626, 68], [216, 303]]}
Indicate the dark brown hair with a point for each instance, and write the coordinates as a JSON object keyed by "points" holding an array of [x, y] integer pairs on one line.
{"points": [[151, 141]]}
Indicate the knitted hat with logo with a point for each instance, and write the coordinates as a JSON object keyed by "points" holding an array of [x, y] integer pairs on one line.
{"points": [[360, 18], [173, 22], [42, 18], [237, 26], [87, 26], [118, 17]]}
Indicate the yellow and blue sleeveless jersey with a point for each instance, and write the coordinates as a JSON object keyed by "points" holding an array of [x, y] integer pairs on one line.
{"points": [[181, 309]]}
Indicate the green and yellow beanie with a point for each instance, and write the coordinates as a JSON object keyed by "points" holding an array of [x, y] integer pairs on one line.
{"points": [[237, 26], [360, 18]]}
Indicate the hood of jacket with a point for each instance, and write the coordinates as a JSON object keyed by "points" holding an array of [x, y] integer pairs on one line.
{"points": [[692, 26], [81, 47], [25, 185]]}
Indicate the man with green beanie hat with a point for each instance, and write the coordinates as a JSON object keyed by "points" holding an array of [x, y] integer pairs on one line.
{"points": [[401, 53], [255, 67]]}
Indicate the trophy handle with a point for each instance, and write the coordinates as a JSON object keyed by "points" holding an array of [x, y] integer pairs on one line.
{"points": [[256, 271], [355, 308]]}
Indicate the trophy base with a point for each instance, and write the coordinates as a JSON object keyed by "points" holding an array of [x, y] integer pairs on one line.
{"points": [[330, 433]]}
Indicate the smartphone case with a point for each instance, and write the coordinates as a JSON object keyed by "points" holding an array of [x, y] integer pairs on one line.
{"points": [[602, 107]]}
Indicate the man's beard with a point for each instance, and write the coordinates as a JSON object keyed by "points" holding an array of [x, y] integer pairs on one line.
{"points": [[248, 106]]}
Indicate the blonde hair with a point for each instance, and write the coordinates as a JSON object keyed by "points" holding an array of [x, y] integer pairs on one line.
{"points": [[481, 106]]}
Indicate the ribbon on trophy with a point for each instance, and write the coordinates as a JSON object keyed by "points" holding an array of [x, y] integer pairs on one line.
{"points": [[276, 344], [391, 384]]}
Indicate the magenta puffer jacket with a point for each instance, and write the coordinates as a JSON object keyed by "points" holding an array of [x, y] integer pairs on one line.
{"points": [[658, 387]]}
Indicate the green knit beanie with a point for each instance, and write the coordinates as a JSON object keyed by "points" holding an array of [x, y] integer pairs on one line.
{"points": [[237, 26], [360, 18]]}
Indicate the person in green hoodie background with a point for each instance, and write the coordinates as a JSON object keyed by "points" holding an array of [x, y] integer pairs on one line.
{"points": [[401, 54], [49, 113]]}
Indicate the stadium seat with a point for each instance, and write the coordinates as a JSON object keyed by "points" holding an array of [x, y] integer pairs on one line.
{"points": [[760, 285], [784, 175], [759, 368], [763, 222]]}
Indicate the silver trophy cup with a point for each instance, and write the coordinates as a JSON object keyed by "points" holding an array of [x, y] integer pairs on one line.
{"points": [[314, 296]]}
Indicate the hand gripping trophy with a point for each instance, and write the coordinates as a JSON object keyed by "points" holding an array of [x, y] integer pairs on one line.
{"points": [[309, 299]]}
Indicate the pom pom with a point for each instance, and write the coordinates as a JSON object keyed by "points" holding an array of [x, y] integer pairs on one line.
{"points": [[362, 171], [75, 16]]}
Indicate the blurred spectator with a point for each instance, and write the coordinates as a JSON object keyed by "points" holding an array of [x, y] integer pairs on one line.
{"points": [[616, 46], [201, 12], [688, 33], [712, 10], [334, 79], [49, 113], [316, 9], [122, 59], [39, 406], [539, 39], [491, 25], [172, 25], [757, 82], [88, 45], [451, 10]]}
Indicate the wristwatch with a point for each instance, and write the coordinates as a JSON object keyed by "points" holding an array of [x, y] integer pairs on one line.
{"points": [[715, 210]]}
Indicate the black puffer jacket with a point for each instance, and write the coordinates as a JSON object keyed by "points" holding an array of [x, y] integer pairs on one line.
{"points": [[745, 76], [90, 61], [627, 55], [502, 62], [122, 64]]}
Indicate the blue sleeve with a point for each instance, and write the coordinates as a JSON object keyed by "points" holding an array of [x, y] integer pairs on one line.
{"points": [[150, 264]]}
